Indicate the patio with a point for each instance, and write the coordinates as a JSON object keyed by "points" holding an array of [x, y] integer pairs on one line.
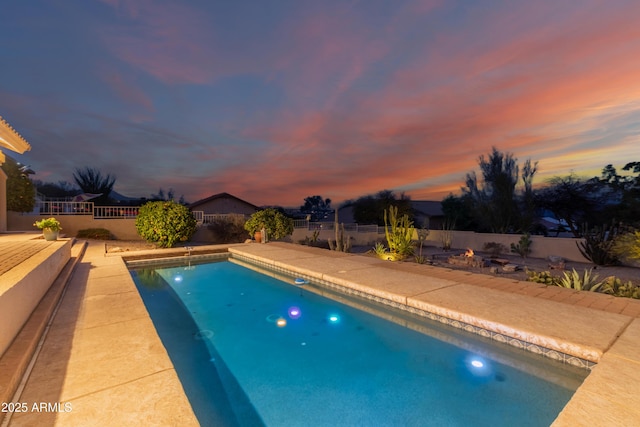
{"points": [[102, 361]]}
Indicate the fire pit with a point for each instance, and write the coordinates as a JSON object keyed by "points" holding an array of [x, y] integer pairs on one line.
{"points": [[468, 259]]}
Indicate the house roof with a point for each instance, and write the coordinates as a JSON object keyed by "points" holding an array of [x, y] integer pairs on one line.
{"points": [[11, 140], [220, 196], [428, 207]]}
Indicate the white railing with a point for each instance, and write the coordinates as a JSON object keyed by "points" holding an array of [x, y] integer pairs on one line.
{"points": [[110, 212], [63, 208]]}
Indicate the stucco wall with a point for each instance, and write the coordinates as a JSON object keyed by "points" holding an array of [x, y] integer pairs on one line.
{"points": [[542, 246], [121, 228], [23, 287]]}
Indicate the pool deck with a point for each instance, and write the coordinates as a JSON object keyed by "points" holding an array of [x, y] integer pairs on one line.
{"points": [[103, 358]]}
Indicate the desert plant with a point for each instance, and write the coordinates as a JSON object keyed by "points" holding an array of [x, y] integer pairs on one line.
{"points": [[494, 248], [523, 248], [379, 249], [48, 224], [165, 223], [587, 282], [399, 233], [446, 237], [543, 277], [597, 246], [342, 242], [229, 229], [614, 286], [94, 233], [276, 224], [627, 245], [423, 233]]}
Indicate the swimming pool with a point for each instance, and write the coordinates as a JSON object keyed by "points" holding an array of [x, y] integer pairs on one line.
{"points": [[257, 350]]}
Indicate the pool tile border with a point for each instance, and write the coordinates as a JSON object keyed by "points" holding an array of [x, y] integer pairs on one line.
{"points": [[486, 333]]}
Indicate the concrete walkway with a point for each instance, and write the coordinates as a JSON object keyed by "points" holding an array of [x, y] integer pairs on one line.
{"points": [[102, 362]]}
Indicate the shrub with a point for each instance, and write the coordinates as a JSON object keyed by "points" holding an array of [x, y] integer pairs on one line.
{"points": [[94, 233], [165, 223], [627, 245], [275, 223], [228, 229], [523, 248], [597, 246]]}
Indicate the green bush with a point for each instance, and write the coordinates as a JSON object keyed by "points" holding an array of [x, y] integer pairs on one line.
{"points": [[276, 224], [165, 223], [94, 233], [627, 245], [228, 229]]}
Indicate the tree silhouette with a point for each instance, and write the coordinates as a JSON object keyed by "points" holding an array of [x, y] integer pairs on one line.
{"points": [[20, 190], [90, 180]]}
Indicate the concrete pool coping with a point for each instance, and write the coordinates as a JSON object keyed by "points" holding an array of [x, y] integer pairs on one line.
{"points": [[102, 348]]}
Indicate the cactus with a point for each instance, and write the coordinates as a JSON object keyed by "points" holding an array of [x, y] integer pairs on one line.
{"points": [[543, 277], [613, 286], [343, 241], [399, 233]]}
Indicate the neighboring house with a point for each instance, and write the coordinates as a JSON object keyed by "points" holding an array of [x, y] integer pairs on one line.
{"points": [[422, 210], [10, 139], [430, 210], [223, 203]]}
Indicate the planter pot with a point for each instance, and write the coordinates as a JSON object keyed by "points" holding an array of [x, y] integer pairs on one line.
{"points": [[258, 236], [50, 234]]}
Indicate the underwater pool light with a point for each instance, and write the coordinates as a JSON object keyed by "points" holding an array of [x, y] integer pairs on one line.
{"points": [[281, 322], [178, 278], [334, 318], [294, 312]]}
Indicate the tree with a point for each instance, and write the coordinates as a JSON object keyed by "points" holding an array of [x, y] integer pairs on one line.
{"points": [[165, 223], [90, 180], [21, 192], [60, 189], [457, 212], [370, 209], [316, 207], [494, 199], [569, 200]]}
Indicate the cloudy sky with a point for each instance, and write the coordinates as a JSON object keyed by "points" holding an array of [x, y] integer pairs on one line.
{"points": [[277, 100]]}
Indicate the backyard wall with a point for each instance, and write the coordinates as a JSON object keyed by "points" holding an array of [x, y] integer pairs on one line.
{"points": [[22, 288], [124, 229], [541, 247], [121, 228]]}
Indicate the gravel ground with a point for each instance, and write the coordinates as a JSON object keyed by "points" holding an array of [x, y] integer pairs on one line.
{"points": [[438, 257]]}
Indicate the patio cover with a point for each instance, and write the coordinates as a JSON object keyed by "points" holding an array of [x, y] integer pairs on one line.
{"points": [[11, 140]]}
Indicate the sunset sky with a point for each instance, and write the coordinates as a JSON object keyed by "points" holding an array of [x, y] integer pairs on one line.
{"points": [[274, 101]]}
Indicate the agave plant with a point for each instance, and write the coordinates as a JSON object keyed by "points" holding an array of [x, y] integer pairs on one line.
{"points": [[587, 282]]}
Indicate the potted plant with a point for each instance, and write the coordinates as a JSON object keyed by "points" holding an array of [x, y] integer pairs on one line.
{"points": [[275, 224], [50, 228]]}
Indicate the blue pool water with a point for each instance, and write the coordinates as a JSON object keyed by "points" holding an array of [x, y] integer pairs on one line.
{"points": [[253, 350]]}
